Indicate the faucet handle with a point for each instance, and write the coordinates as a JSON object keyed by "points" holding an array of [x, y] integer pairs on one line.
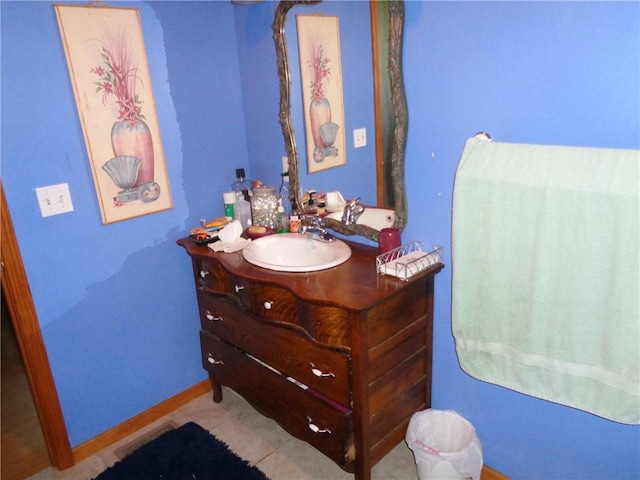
{"points": [[352, 203], [313, 226], [352, 210], [311, 221]]}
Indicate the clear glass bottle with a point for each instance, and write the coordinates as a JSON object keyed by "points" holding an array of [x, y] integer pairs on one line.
{"points": [[242, 208], [241, 183], [264, 207], [284, 192]]}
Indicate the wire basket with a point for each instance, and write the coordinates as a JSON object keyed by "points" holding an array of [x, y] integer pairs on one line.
{"points": [[408, 260]]}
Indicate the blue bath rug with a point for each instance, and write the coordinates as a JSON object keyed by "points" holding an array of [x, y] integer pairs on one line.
{"points": [[185, 453]]}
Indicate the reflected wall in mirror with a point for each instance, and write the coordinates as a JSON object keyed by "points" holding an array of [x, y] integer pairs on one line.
{"points": [[390, 148]]}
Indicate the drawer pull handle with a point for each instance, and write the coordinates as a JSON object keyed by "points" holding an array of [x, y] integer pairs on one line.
{"points": [[316, 429], [319, 373], [238, 288], [213, 361], [203, 273], [268, 305], [213, 318]]}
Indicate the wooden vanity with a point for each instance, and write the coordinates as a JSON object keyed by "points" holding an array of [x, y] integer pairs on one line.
{"points": [[340, 358]]}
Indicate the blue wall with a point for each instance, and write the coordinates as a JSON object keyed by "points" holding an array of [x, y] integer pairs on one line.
{"points": [[563, 73], [116, 302]]}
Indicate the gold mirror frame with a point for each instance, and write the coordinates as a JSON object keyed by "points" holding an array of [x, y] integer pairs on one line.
{"points": [[398, 97]]}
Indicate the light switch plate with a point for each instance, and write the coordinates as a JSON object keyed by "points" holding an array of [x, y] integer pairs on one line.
{"points": [[54, 199], [360, 137]]}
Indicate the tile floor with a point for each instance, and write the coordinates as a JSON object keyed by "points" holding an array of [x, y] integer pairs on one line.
{"points": [[255, 438]]}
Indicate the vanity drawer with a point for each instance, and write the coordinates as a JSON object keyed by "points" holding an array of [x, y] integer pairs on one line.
{"points": [[324, 323], [211, 277], [298, 411], [327, 324], [286, 348]]}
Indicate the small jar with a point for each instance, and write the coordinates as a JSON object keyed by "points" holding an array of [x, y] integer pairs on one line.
{"points": [[264, 207]]}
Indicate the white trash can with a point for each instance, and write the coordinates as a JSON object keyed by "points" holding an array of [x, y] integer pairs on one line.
{"points": [[445, 446]]}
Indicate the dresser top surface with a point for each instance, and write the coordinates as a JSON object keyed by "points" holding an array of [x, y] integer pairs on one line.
{"points": [[353, 284]]}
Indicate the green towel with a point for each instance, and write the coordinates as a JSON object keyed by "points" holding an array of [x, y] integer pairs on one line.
{"points": [[545, 255]]}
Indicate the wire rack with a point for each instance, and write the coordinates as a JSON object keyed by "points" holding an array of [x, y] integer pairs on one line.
{"points": [[408, 260]]}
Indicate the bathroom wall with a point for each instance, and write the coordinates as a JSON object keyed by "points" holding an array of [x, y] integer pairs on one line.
{"points": [[563, 73], [116, 302]]}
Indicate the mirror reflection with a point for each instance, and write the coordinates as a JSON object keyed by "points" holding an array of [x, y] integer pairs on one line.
{"points": [[355, 218]]}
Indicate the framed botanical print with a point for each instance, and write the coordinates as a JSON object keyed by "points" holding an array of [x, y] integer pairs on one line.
{"points": [[321, 74], [107, 63]]}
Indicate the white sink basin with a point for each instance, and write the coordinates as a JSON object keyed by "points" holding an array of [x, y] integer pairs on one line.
{"points": [[374, 217], [293, 252]]}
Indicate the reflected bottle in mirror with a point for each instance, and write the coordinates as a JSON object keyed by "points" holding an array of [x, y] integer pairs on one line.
{"points": [[294, 216]]}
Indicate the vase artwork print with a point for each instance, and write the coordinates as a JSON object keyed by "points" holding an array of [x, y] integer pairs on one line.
{"points": [[321, 76], [107, 63]]}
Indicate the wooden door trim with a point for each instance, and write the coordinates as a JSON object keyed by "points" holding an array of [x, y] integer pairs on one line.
{"points": [[17, 293]]}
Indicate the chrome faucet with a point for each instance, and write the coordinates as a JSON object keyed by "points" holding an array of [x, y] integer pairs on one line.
{"points": [[313, 226], [352, 210]]}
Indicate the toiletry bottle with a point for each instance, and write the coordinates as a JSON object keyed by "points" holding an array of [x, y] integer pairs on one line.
{"points": [[294, 217], [284, 193], [283, 220], [242, 187], [310, 207], [242, 209], [229, 199], [241, 183]]}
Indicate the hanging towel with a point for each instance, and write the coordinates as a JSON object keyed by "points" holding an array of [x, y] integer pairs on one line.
{"points": [[545, 260]]}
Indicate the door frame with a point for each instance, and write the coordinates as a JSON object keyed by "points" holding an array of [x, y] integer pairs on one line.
{"points": [[15, 286]]}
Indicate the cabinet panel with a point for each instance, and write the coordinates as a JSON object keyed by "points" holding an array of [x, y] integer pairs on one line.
{"points": [[284, 347], [302, 414], [394, 350], [400, 379], [402, 408], [398, 312]]}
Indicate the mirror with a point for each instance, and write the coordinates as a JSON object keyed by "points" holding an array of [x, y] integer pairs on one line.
{"points": [[394, 166]]}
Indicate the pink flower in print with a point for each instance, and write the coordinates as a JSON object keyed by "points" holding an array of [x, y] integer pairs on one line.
{"points": [[119, 76]]}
